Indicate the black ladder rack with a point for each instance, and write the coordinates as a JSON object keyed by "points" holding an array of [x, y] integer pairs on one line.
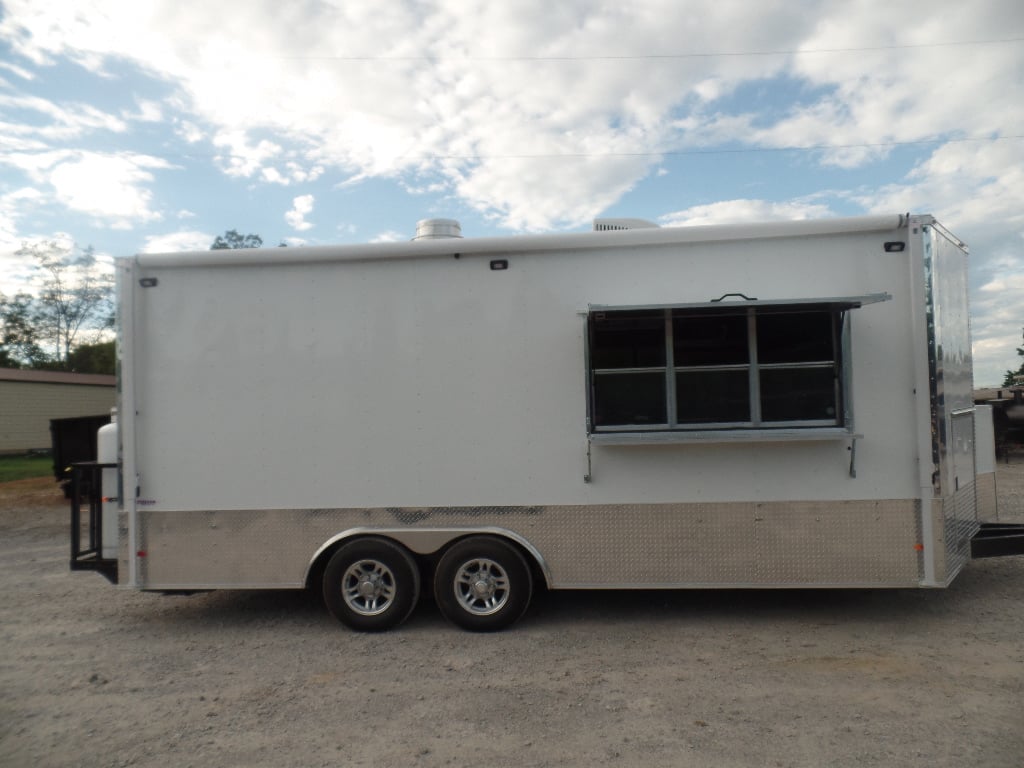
{"points": [[87, 540]]}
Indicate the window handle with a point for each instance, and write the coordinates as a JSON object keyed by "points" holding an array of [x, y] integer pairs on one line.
{"points": [[740, 295]]}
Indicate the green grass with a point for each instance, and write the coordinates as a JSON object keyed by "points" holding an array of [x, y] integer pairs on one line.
{"points": [[23, 467]]}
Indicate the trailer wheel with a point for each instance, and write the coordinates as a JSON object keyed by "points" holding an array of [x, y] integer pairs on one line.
{"points": [[371, 585], [482, 584]]}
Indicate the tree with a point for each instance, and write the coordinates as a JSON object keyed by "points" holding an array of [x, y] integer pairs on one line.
{"points": [[74, 295], [93, 358], [233, 239], [19, 342], [1015, 377]]}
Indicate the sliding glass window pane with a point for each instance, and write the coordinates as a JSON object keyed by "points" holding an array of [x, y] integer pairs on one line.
{"points": [[710, 339], [630, 339], [629, 399], [794, 337], [706, 397], [798, 394]]}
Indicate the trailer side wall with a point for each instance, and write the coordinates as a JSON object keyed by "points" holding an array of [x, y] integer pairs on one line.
{"points": [[277, 405]]}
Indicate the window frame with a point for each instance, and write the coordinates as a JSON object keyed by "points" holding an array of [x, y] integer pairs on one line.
{"points": [[755, 426]]}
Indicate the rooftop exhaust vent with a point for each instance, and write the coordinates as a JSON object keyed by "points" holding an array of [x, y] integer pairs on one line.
{"points": [[437, 229], [610, 225]]}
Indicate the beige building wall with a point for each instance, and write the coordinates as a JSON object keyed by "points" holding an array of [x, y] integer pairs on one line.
{"points": [[29, 399]]}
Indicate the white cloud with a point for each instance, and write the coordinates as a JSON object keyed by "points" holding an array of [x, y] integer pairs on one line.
{"points": [[39, 118], [273, 176], [875, 75], [996, 328], [976, 189], [13, 206], [243, 157], [188, 131], [108, 187], [539, 144], [36, 165], [736, 211], [302, 206], [389, 236], [21, 72], [184, 240], [536, 144], [147, 111], [297, 173], [992, 172], [17, 270]]}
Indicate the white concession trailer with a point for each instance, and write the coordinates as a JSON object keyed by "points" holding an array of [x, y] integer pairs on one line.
{"points": [[764, 405]]}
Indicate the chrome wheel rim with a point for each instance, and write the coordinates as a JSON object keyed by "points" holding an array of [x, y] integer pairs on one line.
{"points": [[481, 586], [368, 587]]}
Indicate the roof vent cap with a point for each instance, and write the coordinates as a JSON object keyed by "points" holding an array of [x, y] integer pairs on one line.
{"points": [[609, 225], [437, 229]]}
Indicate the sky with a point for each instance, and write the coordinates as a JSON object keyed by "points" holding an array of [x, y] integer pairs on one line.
{"points": [[156, 125]]}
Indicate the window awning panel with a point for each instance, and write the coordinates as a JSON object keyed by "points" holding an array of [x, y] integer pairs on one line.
{"points": [[726, 303]]}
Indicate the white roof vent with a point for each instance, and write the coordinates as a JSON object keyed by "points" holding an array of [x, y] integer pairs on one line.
{"points": [[437, 229], [609, 225]]}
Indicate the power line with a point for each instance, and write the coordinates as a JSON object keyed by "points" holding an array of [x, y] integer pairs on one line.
{"points": [[656, 56], [718, 151], [297, 153], [645, 153]]}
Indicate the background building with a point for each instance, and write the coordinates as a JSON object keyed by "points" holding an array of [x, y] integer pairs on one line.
{"points": [[29, 399]]}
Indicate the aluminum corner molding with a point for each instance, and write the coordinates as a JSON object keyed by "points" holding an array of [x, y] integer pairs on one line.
{"points": [[126, 409], [920, 298]]}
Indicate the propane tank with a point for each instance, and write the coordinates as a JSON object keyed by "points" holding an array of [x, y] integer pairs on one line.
{"points": [[106, 453]]}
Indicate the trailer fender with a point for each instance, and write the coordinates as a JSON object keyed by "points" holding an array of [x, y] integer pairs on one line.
{"points": [[426, 541]]}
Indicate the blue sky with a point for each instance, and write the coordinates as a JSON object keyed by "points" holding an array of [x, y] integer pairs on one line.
{"points": [[151, 126]]}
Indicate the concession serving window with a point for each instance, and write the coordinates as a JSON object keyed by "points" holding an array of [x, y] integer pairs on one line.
{"points": [[738, 369]]}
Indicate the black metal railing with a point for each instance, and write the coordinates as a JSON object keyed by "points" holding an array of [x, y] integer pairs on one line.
{"points": [[87, 532]]}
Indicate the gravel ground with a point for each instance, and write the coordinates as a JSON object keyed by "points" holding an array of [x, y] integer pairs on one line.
{"points": [[95, 676]]}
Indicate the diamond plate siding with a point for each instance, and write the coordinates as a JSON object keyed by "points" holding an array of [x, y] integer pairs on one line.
{"points": [[985, 491], [870, 542], [959, 525], [861, 543]]}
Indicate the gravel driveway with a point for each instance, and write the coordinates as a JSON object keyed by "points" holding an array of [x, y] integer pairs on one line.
{"points": [[95, 676]]}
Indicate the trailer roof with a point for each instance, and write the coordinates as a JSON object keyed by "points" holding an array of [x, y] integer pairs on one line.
{"points": [[523, 243]]}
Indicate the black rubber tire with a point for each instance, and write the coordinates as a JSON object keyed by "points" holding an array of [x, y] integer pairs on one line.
{"points": [[499, 563], [376, 562]]}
